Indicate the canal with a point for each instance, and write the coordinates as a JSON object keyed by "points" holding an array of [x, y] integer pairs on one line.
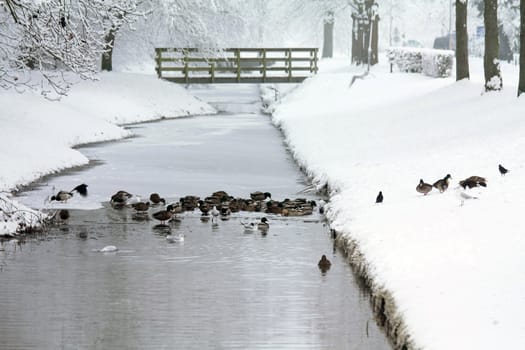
{"points": [[222, 288]]}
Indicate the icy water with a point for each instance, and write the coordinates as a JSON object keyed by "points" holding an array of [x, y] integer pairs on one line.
{"points": [[222, 288]]}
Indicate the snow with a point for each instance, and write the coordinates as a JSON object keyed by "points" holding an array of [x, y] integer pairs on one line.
{"points": [[37, 135], [455, 267]]}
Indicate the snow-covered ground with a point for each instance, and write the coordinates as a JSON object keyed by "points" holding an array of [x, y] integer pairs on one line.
{"points": [[37, 135], [454, 267]]}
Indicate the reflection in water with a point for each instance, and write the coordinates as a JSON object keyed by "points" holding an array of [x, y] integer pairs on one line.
{"points": [[221, 288]]}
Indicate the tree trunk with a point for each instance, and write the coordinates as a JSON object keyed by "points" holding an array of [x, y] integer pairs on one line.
{"points": [[375, 41], [493, 81], [354, 39], [521, 86], [462, 69], [328, 35], [107, 56]]}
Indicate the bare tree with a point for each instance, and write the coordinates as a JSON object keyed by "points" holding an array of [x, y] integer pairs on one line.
{"points": [[462, 67], [493, 80], [521, 85]]}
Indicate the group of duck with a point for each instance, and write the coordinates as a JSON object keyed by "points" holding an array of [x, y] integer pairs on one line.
{"points": [[442, 184], [219, 205]]}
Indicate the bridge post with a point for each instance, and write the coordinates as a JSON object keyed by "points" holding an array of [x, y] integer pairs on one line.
{"points": [[212, 71], [238, 59], [186, 70], [158, 68], [264, 65], [289, 65]]}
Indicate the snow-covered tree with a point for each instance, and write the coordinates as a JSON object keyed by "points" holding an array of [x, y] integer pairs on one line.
{"points": [[493, 80], [462, 68], [521, 85]]}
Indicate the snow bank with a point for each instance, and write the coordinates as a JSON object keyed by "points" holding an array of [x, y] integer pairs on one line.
{"points": [[37, 135], [453, 267]]}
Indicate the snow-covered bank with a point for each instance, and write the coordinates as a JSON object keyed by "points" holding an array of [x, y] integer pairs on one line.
{"points": [[37, 135], [454, 267]]}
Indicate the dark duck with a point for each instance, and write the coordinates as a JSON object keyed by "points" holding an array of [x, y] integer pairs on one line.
{"points": [[324, 264], [64, 196], [502, 170], [473, 181], [442, 184], [423, 187]]}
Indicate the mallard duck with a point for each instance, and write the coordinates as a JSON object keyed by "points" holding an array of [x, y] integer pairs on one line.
{"points": [[442, 184], [225, 213], [423, 187], [379, 198], [120, 198], [502, 170], [64, 196], [260, 196], [473, 181], [164, 215], [140, 206], [204, 207], [324, 264], [263, 225], [156, 199]]}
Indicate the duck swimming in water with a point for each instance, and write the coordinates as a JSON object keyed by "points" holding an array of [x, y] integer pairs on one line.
{"points": [[324, 264], [423, 187], [263, 225]]}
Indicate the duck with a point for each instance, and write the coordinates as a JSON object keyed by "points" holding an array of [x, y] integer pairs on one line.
{"points": [[249, 226], [64, 196], [204, 207], [164, 215], [156, 199], [63, 214], [442, 184], [379, 198], [423, 187], [502, 170], [324, 264], [260, 196], [120, 198], [225, 213], [141, 206], [473, 181], [263, 225], [175, 238]]}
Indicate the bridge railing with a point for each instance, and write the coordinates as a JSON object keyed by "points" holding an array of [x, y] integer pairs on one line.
{"points": [[237, 65]]}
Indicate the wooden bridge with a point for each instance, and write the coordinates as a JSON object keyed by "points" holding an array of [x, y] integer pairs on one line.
{"points": [[239, 65]]}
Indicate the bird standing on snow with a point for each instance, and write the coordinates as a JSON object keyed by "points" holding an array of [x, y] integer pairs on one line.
{"points": [[502, 170], [473, 181], [442, 184], [379, 198], [64, 196], [423, 187]]}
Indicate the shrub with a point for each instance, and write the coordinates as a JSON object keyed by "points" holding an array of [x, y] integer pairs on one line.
{"points": [[434, 63]]}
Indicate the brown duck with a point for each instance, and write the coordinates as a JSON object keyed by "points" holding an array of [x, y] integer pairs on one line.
{"points": [[423, 187], [473, 181], [442, 184]]}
